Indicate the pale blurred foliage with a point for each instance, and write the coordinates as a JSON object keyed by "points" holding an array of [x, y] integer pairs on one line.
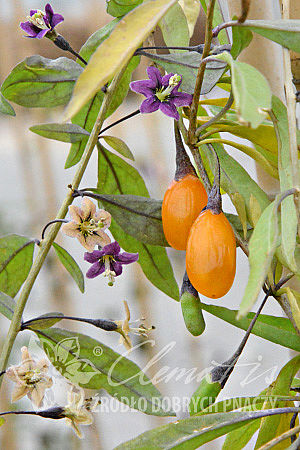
{"points": [[34, 183]]}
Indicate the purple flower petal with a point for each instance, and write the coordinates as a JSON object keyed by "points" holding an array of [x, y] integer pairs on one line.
{"points": [[112, 249], [41, 34], [29, 28], [145, 87], [169, 109], [166, 78], [181, 99], [127, 258], [116, 267], [93, 256], [95, 270], [56, 19], [149, 105], [32, 12], [154, 75], [49, 10]]}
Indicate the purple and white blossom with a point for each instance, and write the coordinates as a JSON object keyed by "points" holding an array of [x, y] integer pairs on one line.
{"points": [[40, 23], [109, 261], [161, 92]]}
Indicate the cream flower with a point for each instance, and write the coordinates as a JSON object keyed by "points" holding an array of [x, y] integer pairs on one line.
{"points": [[77, 411], [88, 225], [31, 378], [124, 328]]}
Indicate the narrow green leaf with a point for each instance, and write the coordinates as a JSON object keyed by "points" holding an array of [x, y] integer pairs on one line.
{"points": [[241, 38], [275, 329], [115, 176], [64, 132], [5, 107], [174, 28], [16, 254], [262, 246], [186, 64], [191, 9], [7, 305], [239, 438], [124, 40], [92, 365], [284, 32], [93, 42], [138, 216], [41, 82], [252, 94], [118, 8], [71, 265], [119, 145], [88, 114], [282, 384], [40, 323], [194, 432], [289, 216]]}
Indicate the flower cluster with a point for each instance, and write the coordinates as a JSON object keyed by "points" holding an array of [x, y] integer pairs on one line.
{"points": [[40, 23], [161, 92], [88, 226]]}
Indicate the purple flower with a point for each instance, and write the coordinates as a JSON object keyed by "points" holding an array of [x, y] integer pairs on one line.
{"points": [[40, 23], [161, 92], [108, 260]]}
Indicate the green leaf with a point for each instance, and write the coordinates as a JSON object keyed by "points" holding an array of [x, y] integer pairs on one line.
{"points": [[239, 438], [186, 64], [252, 94], [140, 217], [119, 145], [92, 365], [241, 38], [174, 28], [275, 329], [118, 8], [281, 386], [289, 216], [71, 265], [64, 132], [191, 9], [262, 246], [194, 432], [41, 82], [115, 176], [88, 114], [40, 323], [93, 42], [16, 254], [7, 305], [284, 32], [125, 38], [6, 108]]}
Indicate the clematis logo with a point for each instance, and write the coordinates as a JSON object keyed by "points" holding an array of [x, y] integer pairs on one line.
{"points": [[65, 357]]}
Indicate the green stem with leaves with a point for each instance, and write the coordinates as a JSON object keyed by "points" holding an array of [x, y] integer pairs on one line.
{"points": [[45, 245]]}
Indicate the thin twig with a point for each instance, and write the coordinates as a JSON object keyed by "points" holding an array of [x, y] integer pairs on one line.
{"points": [[217, 117], [106, 325], [50, 223], [134, 113]]}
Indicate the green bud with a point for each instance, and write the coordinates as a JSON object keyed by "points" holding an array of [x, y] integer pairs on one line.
{"points": [[191, 308], [205, 395]]}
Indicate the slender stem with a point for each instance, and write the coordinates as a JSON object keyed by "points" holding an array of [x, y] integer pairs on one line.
{"points": [[241, 243], [78, 56], [47, 243], [106, 325], [245, 5], [218, 116], [201, 71], [224, 25], [50, 223], [194, 48], [134, 113]]}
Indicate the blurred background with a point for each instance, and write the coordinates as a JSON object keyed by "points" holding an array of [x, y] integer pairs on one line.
{"points": [[33, 185]]}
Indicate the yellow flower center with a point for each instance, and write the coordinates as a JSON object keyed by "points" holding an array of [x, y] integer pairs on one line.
{"points": [[164, 93], [88, 227], [38, 20]]}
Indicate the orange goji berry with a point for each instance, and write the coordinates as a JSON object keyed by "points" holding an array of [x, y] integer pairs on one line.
{"points": [[182, 203]]}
